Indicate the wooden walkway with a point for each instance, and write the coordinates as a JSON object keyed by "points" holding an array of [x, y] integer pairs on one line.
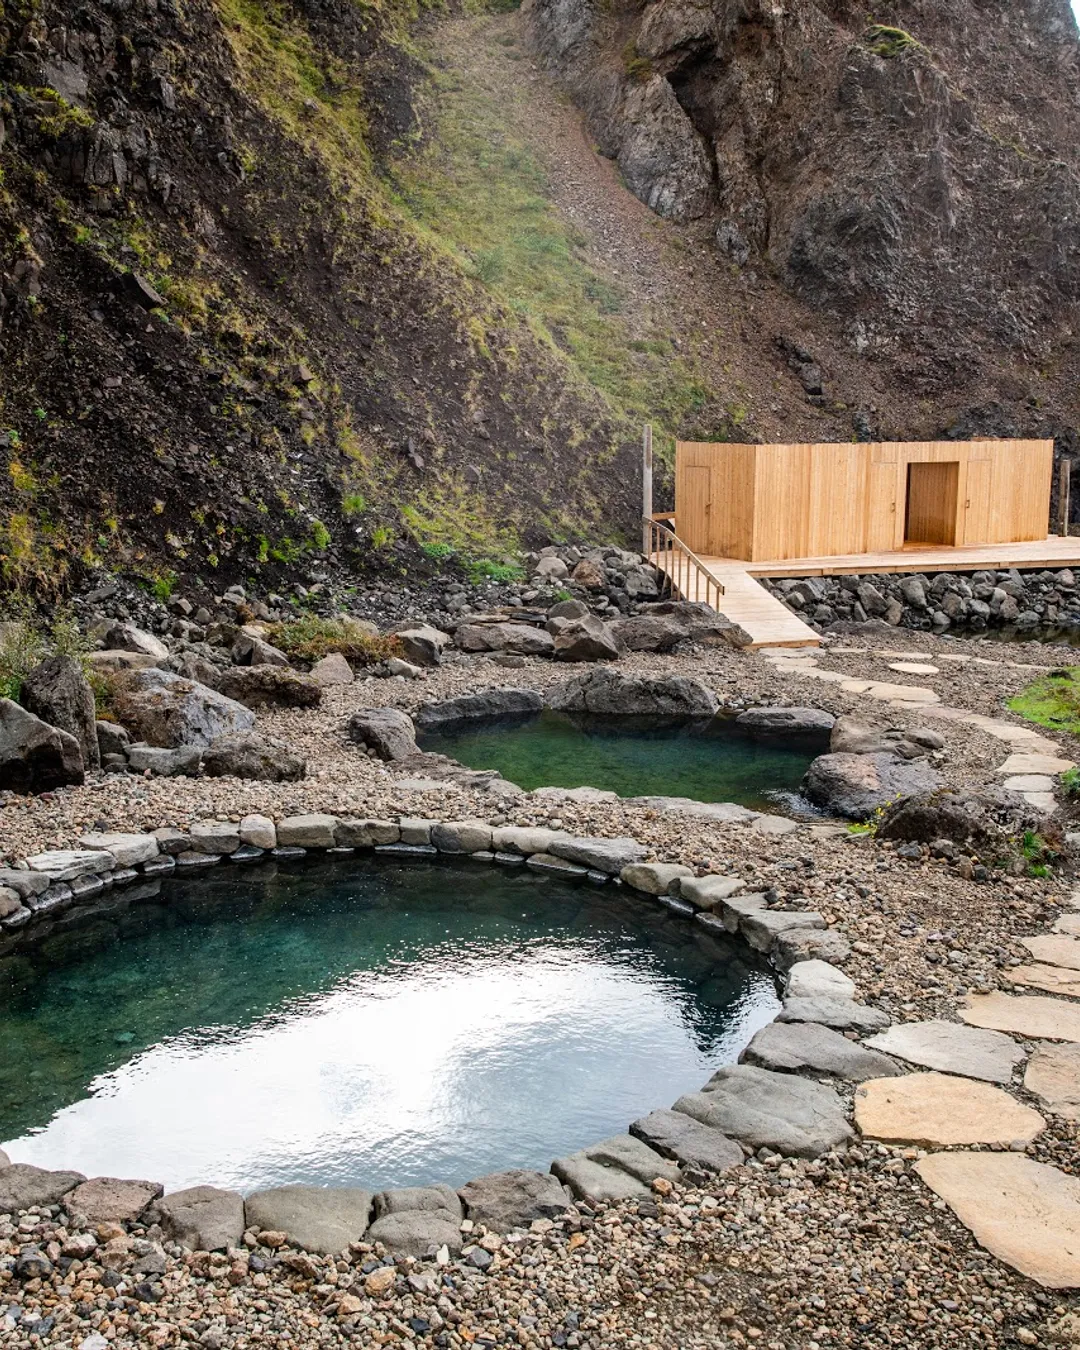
{"points": [[772, 624]]}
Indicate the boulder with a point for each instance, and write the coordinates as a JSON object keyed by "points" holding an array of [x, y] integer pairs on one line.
{"points": [[59, 693], [607, 691], [461, 836], [654, 878], [590, 574], [648, 633], [185, 760], [701, 621], [201, 1217], [112, 739], [125, 637], [422, 644], [35, 757], [503, 1201], [249, 754], [504, 637], [762, 927], [785, 721], [678, 1136], [808, 1047], [588, 639], [197, 668], [317, 1218], [268, 686], [387, 731], [215, 836], [258, 832], [168, 711], [331, 670], [251, 649], [855, 786], [489, 703], [979, 821], [109, 663], [841, 1013], [763, 1109], [711, 891], [110, 1200], [26, 1187], [568, 609], [426, 1199]]}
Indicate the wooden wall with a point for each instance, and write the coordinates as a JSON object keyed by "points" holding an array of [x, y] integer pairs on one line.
{"points": [[761, 502]]}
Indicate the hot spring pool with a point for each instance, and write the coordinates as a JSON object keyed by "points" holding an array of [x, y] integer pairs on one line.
{"points": [[710, 759], [361, 1021]]}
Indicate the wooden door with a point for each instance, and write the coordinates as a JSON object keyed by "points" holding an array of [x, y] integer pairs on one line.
{"points": [[975, 513], [932, 494], [883, 514], [694, 508]]}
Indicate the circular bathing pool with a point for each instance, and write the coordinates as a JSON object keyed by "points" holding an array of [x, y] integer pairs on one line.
{"points": [[361, 1021], [708, 759]]}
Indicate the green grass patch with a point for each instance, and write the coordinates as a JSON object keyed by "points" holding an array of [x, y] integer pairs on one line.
{"points": [[889, 42], [478, 192], [1052, 701], [311, 637]]}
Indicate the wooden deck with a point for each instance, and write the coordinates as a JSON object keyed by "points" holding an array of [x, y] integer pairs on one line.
{"points": [[1053, 553], [772, 624]]}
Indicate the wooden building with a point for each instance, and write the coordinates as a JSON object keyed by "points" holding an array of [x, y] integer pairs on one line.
{"points": [[763, 502]]}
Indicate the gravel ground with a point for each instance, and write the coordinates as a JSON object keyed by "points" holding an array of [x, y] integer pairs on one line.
{"points": [[788, 1255]]}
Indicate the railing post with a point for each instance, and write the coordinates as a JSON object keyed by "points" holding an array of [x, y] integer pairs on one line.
{"points": [[646, 473]]}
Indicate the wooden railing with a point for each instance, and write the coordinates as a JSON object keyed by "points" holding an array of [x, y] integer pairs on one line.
{"points": [[687, 573]]}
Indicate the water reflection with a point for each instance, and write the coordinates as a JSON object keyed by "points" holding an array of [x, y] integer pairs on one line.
{"points": [[369, 1023]]}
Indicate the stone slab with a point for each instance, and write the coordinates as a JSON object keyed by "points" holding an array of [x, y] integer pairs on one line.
{"points": [[687, 1141], [202, 1217], [1052, 979], [1030, 782], [809, 1047], [1068, 923], [762, 928], [25, 1187], [128, 849], [415, 1232], [1024, 1015], [1053, 1075], [938, 1110], [64, 864], [774, 825], [1025, 1213], [504, 1201], [111, 1200], [818, 979], [619, 1168], [655, 878], [772, 1110], [1043, 802], [913, 668], [1024, 762], [951, 1048], [842, 1013], [902, 693], [1054, 950], [316, 1218]]}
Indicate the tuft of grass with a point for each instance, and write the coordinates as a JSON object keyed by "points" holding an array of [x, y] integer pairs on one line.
{"points": [[484, 569], [1052, 700], [889, 42], [25, 641], [311, 637]]}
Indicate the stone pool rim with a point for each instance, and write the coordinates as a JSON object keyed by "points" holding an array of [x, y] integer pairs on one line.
{"points": [[58, 880]]}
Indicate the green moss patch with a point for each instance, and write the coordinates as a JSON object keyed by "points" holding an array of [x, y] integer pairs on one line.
{"points": [[1052, 701]]}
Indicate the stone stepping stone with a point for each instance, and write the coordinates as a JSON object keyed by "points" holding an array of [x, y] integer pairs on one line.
{"points": [[317, 1218], [1025, 762], [505, 1201], [1043, 802], [1025, 1213], [798, 1047], [1030, 782], [1054, 950], [1053, 1075], [761, 1109], [1068, 923], [1052, 979], [951, 1048], [818, 979], [774, 825], [621, 1168], [913, 668], [938, 1110], [687, 1141], [762, 927], [902, 693], [842, 1013], [1024, 1015]]}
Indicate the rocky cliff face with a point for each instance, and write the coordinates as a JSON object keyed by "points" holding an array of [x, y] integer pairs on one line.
{"points": [[222, 350], [912, 180]]}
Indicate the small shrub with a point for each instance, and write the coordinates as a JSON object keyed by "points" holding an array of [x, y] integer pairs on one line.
{"points": [[311, 637], [437, 552]]}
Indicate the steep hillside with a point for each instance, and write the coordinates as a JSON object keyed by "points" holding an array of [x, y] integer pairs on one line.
{"points": [[905, 181], [225, 351]]}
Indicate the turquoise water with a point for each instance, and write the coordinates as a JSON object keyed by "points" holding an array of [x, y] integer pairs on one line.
{"points": [[710, 760], [362, 1021]]}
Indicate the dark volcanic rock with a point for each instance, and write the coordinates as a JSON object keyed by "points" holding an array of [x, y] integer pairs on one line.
{"points": [[59, 693], [165, 710], [387, 731], [35, 757], [488, 703], [247, 754], [856, 785], [269, 686], [607, 691]]}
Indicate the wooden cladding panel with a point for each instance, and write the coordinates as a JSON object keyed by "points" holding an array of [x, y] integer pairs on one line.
{"points": [[796, 501]]}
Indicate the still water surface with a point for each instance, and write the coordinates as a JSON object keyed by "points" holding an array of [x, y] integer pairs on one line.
{"points": [[361, 1021]]}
